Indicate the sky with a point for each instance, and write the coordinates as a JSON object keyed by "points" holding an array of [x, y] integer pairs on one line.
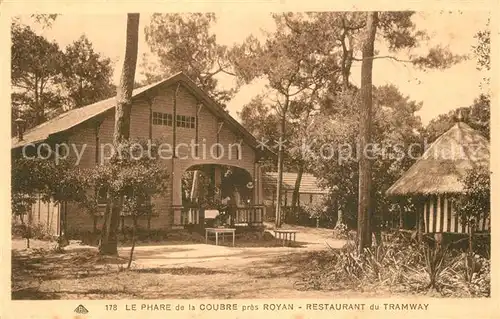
{"points": [[439, 90]]}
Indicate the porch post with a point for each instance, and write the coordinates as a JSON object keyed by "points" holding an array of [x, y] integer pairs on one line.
{"points": [[256, 182], [261, 191], [176, 194], [218, 180], [177, 191]]}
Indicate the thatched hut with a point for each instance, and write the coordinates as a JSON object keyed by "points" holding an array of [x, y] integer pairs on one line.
{"points": [[437, 175]]}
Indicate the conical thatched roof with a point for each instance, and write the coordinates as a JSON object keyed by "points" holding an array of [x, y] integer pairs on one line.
{"points": [[444, 163]]}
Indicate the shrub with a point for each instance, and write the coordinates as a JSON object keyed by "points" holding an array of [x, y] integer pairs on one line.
{"points": [[434, 263], [474, 203], [482, 245], [468, 275], [35, 231], [41, 232], [18, 230], [402, 266], [341, 231]]}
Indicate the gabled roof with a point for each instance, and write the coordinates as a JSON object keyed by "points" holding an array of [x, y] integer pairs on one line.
{"points": [[445, 163], [308, 183], [70, 119], [78, 116]]}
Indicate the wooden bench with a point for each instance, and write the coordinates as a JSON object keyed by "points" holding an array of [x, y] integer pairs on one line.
{"points": [[218, 231], [285, 235]]}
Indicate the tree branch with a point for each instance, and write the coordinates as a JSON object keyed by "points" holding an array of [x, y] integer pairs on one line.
{"points": [[298, 91], [353, 28], [223, 69], [384, 57]]}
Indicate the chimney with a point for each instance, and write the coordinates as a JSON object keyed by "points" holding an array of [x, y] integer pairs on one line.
{"points": [[20, 123]]}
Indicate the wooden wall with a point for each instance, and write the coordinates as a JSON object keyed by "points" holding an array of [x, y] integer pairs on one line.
{"points": [[209, 130], [440, 217]]}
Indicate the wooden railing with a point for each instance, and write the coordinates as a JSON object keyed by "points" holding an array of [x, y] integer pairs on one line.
{"points": [[189, 215], [249, 215]]}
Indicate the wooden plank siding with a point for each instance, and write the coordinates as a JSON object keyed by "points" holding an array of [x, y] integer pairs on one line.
{"points": [[440, 217]]}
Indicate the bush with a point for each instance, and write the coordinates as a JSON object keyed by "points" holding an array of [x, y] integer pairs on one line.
{"points": [[482, 245], [41, 232], [341, 231], [307, 215], [36, 231], [473, 204], [402, 266], [467, 275], [18, 231]]}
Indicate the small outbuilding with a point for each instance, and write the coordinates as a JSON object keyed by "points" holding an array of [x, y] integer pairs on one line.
{"points": [[437, 175], [310, 191]]}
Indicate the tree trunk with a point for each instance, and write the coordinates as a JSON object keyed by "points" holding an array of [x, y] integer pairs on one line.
{"points": [[28, 228], [94, 227], [149, 221], [364, 229], [471, 235], [401, 220], [124, 90], [280, 171], [295, 195], [134, 235], [420, 219], [340, 216], [39, 114], [109, 240]]}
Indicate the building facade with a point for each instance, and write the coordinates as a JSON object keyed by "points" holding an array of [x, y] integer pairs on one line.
{"points": [[173, 112]]}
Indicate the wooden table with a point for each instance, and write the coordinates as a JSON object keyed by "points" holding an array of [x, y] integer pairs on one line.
{"points": [[218, 231], [285, 235]]}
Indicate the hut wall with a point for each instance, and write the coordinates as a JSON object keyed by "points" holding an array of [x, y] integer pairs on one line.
{"points": [[440, 217]]}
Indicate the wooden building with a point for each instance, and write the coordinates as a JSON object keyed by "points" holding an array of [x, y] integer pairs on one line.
{"points": [[309, 191], [173, 111], [437, 175]]}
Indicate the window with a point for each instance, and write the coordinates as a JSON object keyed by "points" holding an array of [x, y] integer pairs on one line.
{"points": [[157, 120], [162, 119], [186, 121], [166, 119], [310, 199]]}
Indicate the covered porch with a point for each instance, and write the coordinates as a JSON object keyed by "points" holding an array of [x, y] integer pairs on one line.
{"points": [[217, 195]]}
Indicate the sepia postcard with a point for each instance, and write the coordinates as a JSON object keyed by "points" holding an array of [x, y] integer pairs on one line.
{"points": [[241, 159]]}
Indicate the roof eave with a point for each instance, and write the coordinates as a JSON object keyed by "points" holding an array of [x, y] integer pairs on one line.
{"points": [[179, 77]]}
